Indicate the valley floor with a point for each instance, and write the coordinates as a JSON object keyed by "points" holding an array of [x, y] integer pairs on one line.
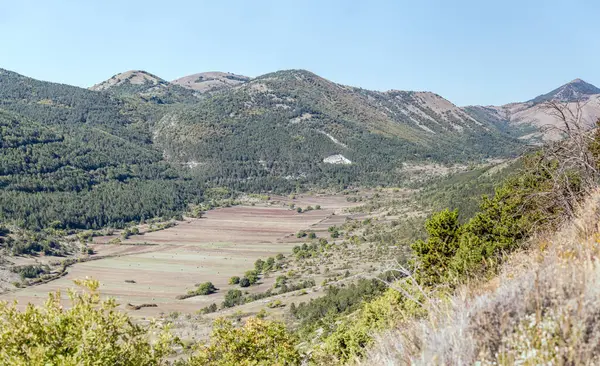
{"points": [[156, 267]]}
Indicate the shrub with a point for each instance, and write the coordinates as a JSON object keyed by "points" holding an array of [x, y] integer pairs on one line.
{"points": [[352, 337], [252, 276], [206, 288], [269, 264], [233, 298], [258, 265], [209, 309], [88, 332], [280, 281], [31, 271], [234, 280], [258, 342], [244, 282]]}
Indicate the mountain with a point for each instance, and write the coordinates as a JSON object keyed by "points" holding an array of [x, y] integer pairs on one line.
{"points": [[147, 86], [132, 78], [210, 81], [533, 121], [137, 137], [295, 126], [570, 92]]}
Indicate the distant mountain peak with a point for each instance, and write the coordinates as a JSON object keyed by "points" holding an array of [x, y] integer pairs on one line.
{"points": [[569, 92], [134, 77], [210, 81]]}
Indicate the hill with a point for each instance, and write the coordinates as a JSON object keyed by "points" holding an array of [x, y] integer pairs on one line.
{"points": [[570, 92], [533, 120], [281, 131], [148, 87], [205, 82], [294, 126], [77, 158]]}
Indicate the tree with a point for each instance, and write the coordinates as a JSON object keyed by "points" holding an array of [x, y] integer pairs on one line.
{"points": [[435, 254], [252, 276], [269, 264], [258, 265]]}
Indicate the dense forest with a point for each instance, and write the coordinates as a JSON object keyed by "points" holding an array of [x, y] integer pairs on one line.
{"points": [[75, 158]]}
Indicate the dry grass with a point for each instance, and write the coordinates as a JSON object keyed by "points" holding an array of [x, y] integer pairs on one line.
{"points": [[544, 308]]}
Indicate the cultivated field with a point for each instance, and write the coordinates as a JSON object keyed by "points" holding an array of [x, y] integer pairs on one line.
{"points": [[158, 266]]}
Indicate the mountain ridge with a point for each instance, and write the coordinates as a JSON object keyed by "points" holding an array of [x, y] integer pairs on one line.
{"points": [[532, 120]]}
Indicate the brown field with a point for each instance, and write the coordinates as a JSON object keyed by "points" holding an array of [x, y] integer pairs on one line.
{"points": [[224, 243]]}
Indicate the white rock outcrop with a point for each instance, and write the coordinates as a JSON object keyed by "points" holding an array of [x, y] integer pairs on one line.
{"points": [[337, 159]]}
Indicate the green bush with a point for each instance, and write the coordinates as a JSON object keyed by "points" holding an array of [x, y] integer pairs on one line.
{"points": [[233, 298], [206, 288], [257, 342], [234, 280], [244, 282], [88, 332], [252, 276], [280, 281]]}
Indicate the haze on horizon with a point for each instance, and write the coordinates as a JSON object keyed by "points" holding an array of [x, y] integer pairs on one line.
{"points": [[467, 51]]}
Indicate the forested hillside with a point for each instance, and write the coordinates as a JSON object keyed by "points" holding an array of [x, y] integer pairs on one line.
{"points": [[293, 127], [82, 159], [137, 137]]}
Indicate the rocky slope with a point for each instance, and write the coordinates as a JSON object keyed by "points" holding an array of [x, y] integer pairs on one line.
{"points": [[533, 120]]}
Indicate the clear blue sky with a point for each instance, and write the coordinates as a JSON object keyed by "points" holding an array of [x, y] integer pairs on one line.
{"points": [[471, 52]]}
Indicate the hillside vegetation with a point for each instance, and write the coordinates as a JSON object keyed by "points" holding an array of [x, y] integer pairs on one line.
{"points": [[277, 130], [75, 158], [447, 306], [138, 147]]}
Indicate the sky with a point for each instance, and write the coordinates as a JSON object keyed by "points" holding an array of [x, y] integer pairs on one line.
{"points": [[470, 52]]}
